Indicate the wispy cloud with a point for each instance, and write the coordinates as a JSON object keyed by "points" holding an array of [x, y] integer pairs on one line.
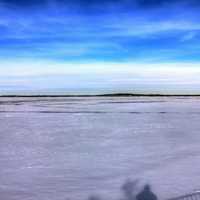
{"points": [[75, 36], [188, 37]]}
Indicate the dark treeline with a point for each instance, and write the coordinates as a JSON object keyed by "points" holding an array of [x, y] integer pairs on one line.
{"points": [[102, 95]]}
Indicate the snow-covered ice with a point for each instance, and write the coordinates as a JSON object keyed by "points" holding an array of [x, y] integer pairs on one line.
{"points": [[70, 148]]}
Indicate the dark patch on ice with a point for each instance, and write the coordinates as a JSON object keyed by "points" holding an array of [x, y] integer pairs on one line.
{"points": [[131, 102], [131, 191], [53, 106], [75, 112], [96, 112], [22, 101], [59, 112], [146, 194], [154, 113]]}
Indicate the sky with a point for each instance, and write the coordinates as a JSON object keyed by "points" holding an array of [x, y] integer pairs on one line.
{"points": [[99, 46]]}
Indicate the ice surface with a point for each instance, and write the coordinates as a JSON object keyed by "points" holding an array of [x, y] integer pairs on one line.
{"points": [[70, 148]]}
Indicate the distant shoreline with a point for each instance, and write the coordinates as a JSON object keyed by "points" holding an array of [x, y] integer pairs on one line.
{"points": [[105, 95]]}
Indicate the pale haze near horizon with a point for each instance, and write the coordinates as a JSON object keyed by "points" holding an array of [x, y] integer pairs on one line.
{"points": [[99, 78]]}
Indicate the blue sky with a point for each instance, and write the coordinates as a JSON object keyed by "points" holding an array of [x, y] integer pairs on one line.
{"points": [[93, 46]]}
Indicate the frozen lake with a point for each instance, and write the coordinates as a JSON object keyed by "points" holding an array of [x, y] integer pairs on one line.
{"points": [[70, 148]]}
